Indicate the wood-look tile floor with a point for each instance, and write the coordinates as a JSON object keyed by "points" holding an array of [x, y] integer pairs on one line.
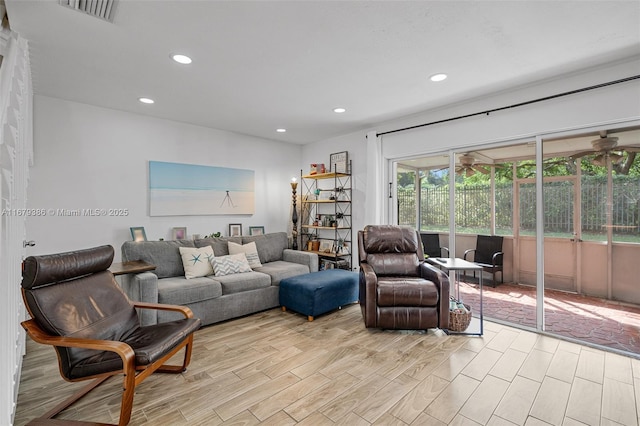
{"points": [[275, 368]]}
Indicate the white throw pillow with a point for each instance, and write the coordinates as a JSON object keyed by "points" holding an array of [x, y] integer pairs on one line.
{"points": [[231, 264], [196, 261], [250, 250]]}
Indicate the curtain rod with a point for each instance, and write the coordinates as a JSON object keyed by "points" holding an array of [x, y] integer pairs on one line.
{"points": [[489, 111]]}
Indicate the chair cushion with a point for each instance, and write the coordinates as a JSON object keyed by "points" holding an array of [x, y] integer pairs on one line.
{"points": [[390, 239], [52, 268], [406, 291], [394, 264], [91, 307], [149, 344]]}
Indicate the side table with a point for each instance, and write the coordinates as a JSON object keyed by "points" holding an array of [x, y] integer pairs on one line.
{"points": [[131, 267], [453, 266]]}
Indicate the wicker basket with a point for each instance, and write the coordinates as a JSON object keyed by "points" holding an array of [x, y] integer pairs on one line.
{"points": [[459, 321]]}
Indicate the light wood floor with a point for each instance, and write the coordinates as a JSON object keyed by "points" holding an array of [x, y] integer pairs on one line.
{"points": [[275, 368]]}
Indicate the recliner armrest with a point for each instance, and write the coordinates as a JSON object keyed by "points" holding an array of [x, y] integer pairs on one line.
{"points": [[368, 294], [441, 280]]}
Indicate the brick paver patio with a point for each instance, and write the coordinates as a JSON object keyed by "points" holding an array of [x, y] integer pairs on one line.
{"points": [[599, 321]]}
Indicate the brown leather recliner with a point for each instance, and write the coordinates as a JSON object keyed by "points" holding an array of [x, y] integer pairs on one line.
{"points": [[398, 290], [77, 306]]}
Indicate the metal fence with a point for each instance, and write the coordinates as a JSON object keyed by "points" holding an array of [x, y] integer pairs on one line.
{"points": [[473, 206]]}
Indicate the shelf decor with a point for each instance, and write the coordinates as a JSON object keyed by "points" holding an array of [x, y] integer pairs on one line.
{"points": [[326, 226], [338, 162]]}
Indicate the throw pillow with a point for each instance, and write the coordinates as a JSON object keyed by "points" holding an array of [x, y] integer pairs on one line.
{"points": [[250, 250], [196, 261], [231, 264]]}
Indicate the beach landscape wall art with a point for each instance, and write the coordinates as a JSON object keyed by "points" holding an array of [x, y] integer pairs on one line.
{"points": [[177, 189]]}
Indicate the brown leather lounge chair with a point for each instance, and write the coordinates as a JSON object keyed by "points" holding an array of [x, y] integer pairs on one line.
{"points": [[77, 307], [398, 290]]}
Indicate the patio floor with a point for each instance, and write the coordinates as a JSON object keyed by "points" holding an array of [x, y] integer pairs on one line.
{"points": [[598, 321]]}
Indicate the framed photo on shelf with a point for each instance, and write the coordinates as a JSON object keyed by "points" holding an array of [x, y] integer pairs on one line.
{"points": [[179, 233], [326, 246], [338, 162], [138, 234], [256, 230], [235, 229]]}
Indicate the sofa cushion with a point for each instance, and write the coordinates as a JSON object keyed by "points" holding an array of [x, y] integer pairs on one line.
{"points": [[219, 245], [249, 250], [165, 255], [270, 246], [196, 261], [236, 283], [231, 264], [280, 270], [181, 291]]}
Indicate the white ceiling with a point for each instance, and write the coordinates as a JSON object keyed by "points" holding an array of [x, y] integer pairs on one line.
{"points": [[261, 65]]}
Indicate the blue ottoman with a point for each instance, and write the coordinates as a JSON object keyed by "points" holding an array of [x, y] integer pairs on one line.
{"points": [[319, 292]]}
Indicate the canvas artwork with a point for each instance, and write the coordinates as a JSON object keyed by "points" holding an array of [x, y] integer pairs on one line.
{"points": [[177, 189]]}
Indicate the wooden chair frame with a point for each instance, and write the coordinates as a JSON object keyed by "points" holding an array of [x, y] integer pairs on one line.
{"points": [[133, 374]]}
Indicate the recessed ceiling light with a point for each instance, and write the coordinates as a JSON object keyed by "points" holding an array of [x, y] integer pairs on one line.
{"points": [[339, 110], [281, 130], [438, 77], [181, 59], [146, 100]]}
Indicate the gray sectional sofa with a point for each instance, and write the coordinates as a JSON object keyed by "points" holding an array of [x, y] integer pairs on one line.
{"points": [[211, 298]]}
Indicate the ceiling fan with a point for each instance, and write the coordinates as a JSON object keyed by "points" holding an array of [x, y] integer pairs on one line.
{"points": [[606, 146], [469, 167]]}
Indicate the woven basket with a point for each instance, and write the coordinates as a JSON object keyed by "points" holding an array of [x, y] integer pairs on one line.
{"points": [[459, 321]]}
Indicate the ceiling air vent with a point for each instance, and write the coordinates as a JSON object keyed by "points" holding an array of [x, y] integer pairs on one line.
{"points": [[102, 9]]}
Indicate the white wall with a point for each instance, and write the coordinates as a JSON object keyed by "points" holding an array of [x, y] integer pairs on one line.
{"points": [[588, 108], [603, 105], [86, 157]]}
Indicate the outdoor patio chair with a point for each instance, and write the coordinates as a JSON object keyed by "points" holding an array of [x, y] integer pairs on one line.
{"points": [[488, 254], [77, 307], [431, 245]]}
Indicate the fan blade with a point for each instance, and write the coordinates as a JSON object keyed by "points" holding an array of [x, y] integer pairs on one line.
{"points": [[630, 148], [482, 170], [581, 154], [470, 172], [616, 157], [459, 170], [599, 160]]}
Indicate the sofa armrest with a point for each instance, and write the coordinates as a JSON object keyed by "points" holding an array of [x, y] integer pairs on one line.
{"points": [[301, 257], [142, 287]]}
